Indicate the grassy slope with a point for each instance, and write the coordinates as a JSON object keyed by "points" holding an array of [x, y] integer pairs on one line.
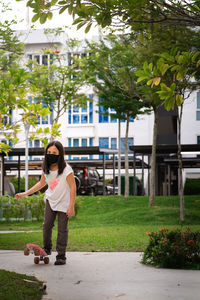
{"points": [[111, 223], [18, 286]]}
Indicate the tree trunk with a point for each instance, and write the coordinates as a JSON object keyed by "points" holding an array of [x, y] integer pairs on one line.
{"points": [[119, 158], [126, 160], [180, 164], [153, 158]]}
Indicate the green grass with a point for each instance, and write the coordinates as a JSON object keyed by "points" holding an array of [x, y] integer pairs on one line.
{"points": [[18, 286], [111, 223]]}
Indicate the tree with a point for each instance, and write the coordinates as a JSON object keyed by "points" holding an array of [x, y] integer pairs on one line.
{"points": [[129, 13], [181, 66], [173, 74], [59, 83], [14, 87], [150, 46], [13, 84], [110, 69]]}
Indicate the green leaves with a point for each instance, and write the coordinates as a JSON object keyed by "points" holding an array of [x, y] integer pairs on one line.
{"points": [[35, 18], [43, 18], [87, 29], [172, 74], [135, 14], [146, 73], [64, 8], [167, 94]]}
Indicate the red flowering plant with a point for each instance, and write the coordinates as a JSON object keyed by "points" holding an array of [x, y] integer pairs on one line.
{"points": [[173, 249]]}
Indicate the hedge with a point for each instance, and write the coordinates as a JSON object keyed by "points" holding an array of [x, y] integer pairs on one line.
{"points": [[27, 208], [192, 186], [32, 180]]}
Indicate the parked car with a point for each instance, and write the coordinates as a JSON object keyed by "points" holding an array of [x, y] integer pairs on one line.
{"points": [[112, 191], [88, 181]]}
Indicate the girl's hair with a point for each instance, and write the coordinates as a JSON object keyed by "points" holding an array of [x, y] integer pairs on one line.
{"points": [[61, 160]]}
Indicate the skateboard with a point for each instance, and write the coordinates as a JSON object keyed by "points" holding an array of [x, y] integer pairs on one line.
{"points": [[40, 254]]}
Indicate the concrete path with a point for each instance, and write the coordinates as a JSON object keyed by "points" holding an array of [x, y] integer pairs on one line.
{"points": [[105, 276]]}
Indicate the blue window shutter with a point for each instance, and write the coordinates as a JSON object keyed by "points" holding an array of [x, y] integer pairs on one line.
{"points": [[198, 100], [70, 115], [91, 110], [102, 118]]}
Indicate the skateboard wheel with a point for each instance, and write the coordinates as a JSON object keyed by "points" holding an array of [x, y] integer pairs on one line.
{"points": [[36, 252], [26, 251], [46, 260], [36, 260]]}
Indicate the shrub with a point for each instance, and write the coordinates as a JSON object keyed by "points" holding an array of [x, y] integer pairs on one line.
{"points": [[27, 208], [192, 186], [173, 249], [32, 180]]}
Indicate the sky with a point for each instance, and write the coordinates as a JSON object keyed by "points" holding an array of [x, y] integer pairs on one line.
{"points": [[23, 15]]}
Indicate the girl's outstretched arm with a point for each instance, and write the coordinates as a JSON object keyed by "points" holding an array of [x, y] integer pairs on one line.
{"points": [[72, 185], [32, 190]]}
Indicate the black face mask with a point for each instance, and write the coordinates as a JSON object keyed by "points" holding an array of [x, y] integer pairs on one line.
{"points": [[52, 158]]}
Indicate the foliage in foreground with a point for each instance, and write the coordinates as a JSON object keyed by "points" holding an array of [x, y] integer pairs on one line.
{"points": [[173, 249], [18, 286]]}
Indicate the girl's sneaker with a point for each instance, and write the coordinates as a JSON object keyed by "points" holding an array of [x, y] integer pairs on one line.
{"points": [[60, 260]]}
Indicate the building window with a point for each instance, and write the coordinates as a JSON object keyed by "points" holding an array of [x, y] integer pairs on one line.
{"points": [[69, 142], [113, 143], [81, 115], [35, 144], [77, 142], [84, 142], [102, 118], [8, 119], [112, 119], [73, 57], [198, 107], [41, 59], [130, 120], [104, 143], [106, 115], [91, 144], [130, 143], [49, 118]]}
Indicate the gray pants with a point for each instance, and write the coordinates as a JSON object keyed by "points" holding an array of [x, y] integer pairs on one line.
{"points": [[62, 235]]}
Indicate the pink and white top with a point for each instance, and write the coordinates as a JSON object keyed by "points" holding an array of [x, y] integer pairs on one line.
{"points": [[58, 192]]}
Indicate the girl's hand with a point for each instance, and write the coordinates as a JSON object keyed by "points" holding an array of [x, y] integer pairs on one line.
{"points": [[70, 211], [20, 195]]}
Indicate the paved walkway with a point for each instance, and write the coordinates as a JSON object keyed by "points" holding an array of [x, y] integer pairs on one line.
{"points": [[105, 276]]}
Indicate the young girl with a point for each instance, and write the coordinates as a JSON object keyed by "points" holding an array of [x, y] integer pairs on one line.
{"points": [[59, 198]]}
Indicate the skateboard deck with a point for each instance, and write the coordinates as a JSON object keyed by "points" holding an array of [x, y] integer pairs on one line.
{"points": [[39, 253]]}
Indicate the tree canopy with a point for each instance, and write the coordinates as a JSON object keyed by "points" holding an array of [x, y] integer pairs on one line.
{"points": [[127, 12]]}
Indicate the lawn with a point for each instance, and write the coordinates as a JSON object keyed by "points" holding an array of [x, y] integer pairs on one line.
{"points": [[18, 286], [110, 223]]}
